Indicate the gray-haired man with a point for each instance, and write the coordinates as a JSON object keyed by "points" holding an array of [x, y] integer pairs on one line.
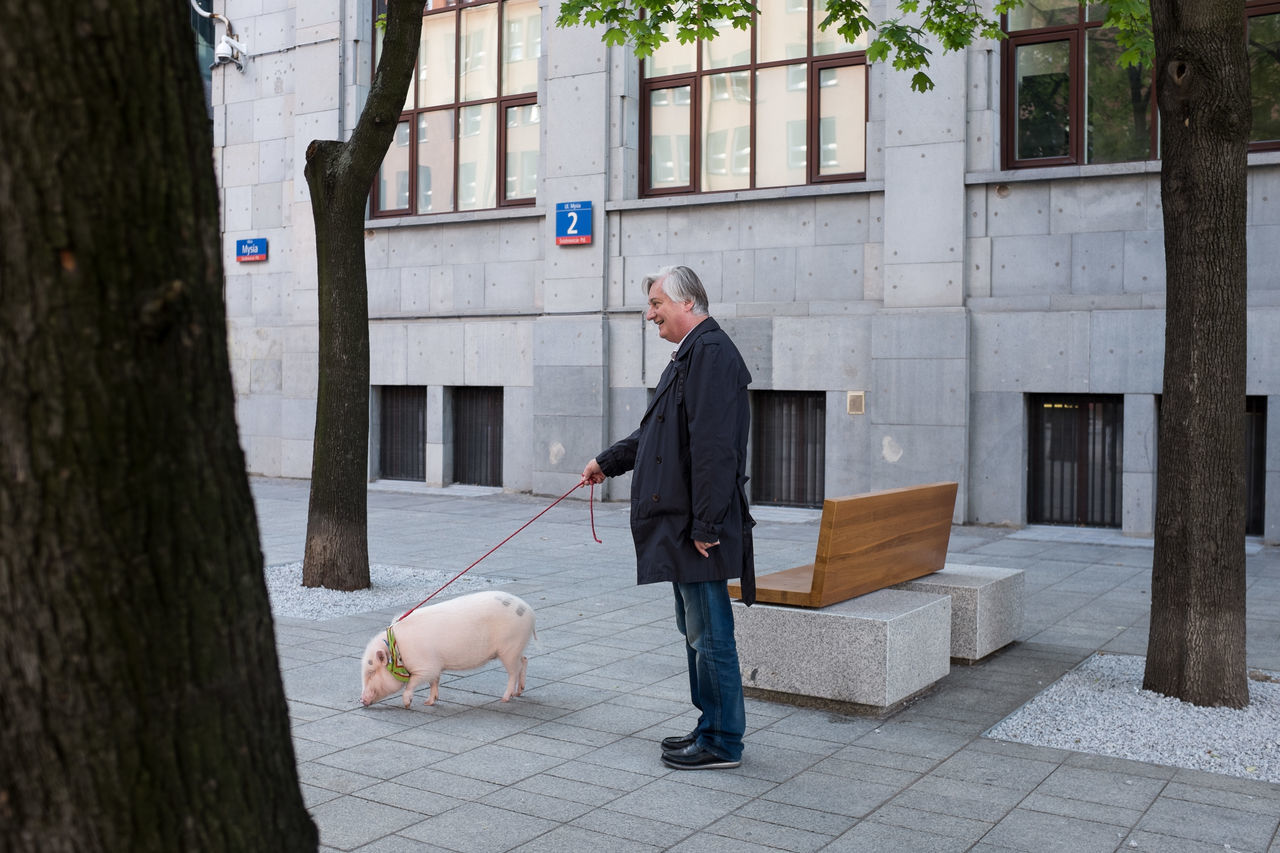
{"points": [[689, 515]]}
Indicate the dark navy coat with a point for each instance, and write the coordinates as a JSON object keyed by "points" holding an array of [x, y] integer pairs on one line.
{"points": [[689, 456]]}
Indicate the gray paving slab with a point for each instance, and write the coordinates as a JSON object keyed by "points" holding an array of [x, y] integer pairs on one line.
{"points": [[680, 804], [621, 825], [965, 829], [1152, 842], [772, 835], [1040, 832], [1236, 828], [479, 828], [709, 842], [575, 839], [955, 798], [346, 823], [573, 764], [874, 835], [852, 797]]}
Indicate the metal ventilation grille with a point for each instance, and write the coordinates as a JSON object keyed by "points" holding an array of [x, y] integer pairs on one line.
{"points": [[1076, 451], [788, 447], [477, 436], [402, 445]]}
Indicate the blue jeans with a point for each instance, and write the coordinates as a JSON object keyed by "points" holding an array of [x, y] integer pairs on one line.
{"points": [[705, 617]]}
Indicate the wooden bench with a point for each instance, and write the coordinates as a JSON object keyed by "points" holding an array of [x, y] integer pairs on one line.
{"points": [[865, 543]]}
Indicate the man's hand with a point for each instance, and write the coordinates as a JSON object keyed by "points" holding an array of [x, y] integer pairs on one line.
{"points": [[592, 473], [703, 547]]}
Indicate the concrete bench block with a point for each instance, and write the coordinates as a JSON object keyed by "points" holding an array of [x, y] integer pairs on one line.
{"points": [[876, 649], [986, 606]]}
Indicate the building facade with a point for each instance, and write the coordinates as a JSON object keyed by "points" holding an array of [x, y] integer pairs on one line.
{"points": [[966, 284]]}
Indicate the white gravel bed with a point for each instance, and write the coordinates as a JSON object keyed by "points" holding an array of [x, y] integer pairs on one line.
{"points": [[1100, 707], [391, 586]]}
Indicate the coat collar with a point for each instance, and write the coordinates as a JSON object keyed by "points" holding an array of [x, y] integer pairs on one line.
{"points": [[686, 345], [707, 325]]}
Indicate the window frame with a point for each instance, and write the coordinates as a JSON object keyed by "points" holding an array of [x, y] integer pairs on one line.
{"points": [[670, 83], [817, 65], [1076, 34], [1258, 9], [1075, 96], [501, 103], [813, 63]]}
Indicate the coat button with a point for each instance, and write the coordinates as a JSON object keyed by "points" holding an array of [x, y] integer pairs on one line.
{"points": [[655, 498], [659, 460], [661, 418]]}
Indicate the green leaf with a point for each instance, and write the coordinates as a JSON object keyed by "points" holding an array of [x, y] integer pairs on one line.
{"points": [[951, 24], [921, 82]]}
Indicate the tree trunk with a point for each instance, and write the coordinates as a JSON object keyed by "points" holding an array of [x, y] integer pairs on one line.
{"points": [[339, 175], [1196, 645], [142, 707], [337, 549]]}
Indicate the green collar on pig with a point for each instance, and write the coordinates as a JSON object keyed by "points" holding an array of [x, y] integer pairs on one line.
{"points": [[395, 666]]}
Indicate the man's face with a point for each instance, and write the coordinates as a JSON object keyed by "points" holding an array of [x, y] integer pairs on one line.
{"points": [[673, 319]]}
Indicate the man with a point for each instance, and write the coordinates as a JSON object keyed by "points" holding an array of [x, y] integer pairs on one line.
{"points": [[689, 513]]}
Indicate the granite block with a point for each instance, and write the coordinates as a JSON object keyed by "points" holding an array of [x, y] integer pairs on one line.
{"points": [[876, 649], [986, 606]]}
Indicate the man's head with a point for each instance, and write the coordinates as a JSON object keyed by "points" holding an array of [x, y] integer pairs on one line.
{"points": [[677, 301]]}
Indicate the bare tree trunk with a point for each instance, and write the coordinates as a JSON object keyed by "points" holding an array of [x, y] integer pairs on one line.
{"points": [[1196, 645], [337, 549], [339, 175], [141, 705]]}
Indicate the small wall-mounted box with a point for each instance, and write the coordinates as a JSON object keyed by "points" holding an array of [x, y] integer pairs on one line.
{"points": [[857, 402]]}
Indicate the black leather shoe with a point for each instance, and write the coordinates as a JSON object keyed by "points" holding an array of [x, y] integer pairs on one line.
{"points": [[694, 757], [675, 742]]}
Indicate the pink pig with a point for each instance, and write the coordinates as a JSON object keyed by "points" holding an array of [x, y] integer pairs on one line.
{"points": [[458, 634]]}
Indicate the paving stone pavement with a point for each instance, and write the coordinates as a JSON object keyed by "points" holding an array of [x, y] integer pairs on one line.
{"points": [[573, 764]]}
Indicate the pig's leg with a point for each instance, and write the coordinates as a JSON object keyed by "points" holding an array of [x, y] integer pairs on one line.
{"points": [[414, 681], [429, 674], [524, 665], [515, 676]]}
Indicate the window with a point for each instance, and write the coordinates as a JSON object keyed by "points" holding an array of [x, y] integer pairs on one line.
{"points": [[1262, 34], [1255, 465], [470, 136], [1069, 102], [203, 29], [477, 435], [402, 433], [1075, 454], [781, 103], [788, 447]]}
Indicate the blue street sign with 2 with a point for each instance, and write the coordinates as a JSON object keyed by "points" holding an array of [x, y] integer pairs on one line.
{"points": [[573, 223]]}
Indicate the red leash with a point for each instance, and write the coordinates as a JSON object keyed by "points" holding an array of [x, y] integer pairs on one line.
{"points": [[590, 503]]}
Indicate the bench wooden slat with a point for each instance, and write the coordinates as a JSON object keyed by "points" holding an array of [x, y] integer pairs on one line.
{"points": [[867, 542], [789, 586]]}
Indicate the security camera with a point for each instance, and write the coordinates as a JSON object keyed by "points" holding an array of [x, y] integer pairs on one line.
{"points": [[228, 50]]}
